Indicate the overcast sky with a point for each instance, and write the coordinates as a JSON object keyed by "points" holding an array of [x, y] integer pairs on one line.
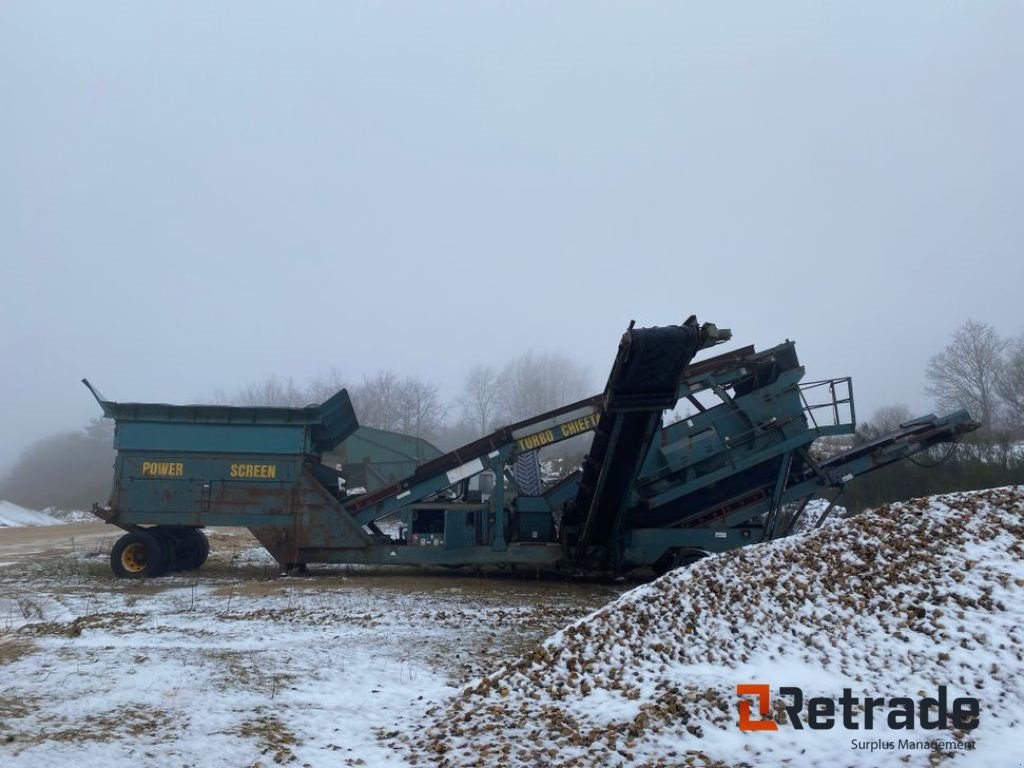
{"points": [[196, 195]]}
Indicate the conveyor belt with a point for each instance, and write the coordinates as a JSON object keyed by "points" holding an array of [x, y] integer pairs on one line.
{"points": [[478, 448], [909, 438], [642, 384]]}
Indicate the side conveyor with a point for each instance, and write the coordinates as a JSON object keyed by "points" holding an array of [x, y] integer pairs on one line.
{"points": [[810, 480], [444, 471]]}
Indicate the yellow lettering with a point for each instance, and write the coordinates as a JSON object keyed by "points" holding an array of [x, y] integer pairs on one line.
{"points": [[531, 442], [267, 471], [569, 429], [163, 469], [580, 425]]}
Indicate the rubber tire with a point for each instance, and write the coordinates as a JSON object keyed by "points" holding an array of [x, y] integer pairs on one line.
{"points": [[194, 548], [675, 559], [145, 550], [169, 544], [187, 548]]}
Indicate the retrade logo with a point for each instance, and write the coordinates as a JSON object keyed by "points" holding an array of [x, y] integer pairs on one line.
{"points": [[855, 713]]}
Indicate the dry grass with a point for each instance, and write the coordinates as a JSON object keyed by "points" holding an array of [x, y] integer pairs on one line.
{"points": [[13, 648], [112, 620], [274, 739], [137, 721]]}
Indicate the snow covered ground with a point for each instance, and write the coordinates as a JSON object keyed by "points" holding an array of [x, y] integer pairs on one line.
{"points": [[235, 666], [892, 603]]}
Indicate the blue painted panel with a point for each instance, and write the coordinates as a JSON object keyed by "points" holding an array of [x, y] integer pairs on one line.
{"points": [[156, 487], [211, 438]]}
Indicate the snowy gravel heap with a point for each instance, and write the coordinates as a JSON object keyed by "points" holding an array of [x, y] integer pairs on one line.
{"points": [[14, 516], [893, 602]]}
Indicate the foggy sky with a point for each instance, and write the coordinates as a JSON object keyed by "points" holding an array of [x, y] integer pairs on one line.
{"points": [[194, 196]]}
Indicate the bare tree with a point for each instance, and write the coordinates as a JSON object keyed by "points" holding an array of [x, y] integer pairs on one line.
{"points": [[421, 412], [274, 391], [410, 406], [532, 384], [324, 386], [376, 400], [885, 419], [964, 374], [479, 398], [270, 391], [1010, 386]]}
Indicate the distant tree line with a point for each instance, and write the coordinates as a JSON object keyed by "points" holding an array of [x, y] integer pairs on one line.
{"points": [[66, 470], [983, 373]]}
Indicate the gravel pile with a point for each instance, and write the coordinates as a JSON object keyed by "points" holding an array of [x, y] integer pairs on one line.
{"points": [[893, 602]]}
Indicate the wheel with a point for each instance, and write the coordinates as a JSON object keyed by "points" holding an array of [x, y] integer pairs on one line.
{"points": [[167, 543], [138, 555], [186, 548], [688, 557], [677, 558], [192, 549]]}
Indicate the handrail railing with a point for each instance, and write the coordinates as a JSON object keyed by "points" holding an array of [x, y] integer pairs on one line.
{"points": [[838, 401]]}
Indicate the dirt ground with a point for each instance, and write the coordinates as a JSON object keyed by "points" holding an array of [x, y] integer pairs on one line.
{"points": [[236, 664], [24, 544]]}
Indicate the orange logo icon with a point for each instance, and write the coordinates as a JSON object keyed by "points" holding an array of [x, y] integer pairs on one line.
{"points": [[763, 693]]}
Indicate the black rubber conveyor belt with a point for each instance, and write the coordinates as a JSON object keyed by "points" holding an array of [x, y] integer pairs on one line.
{"points": [[642, 384]]}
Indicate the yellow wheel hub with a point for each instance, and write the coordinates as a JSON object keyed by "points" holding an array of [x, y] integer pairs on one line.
{"points": [[133, 558]]}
